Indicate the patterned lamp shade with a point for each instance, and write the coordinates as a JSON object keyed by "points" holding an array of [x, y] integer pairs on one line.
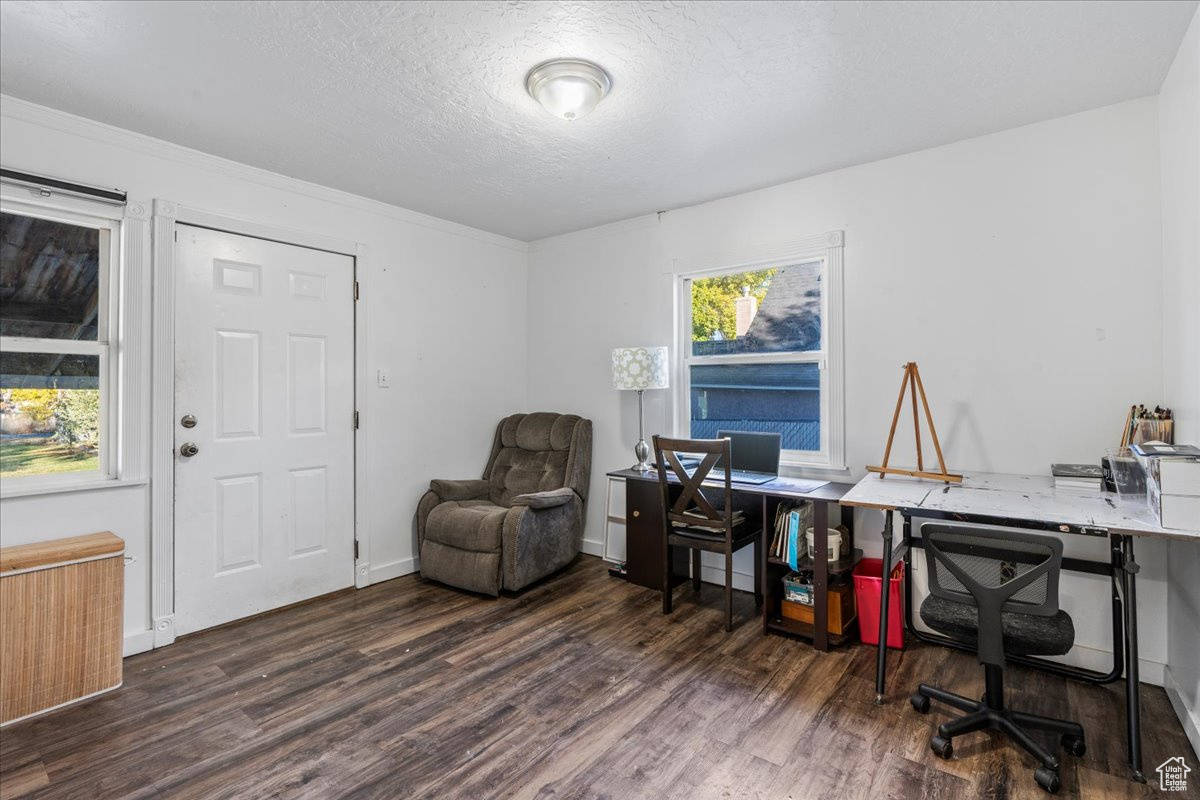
{"points": [[640, 368]]}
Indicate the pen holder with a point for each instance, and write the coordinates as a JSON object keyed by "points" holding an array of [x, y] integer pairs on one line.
{"points": [[1153, 430]]}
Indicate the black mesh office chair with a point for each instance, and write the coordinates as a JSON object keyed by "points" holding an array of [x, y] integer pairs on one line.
{"points": [[998, 591]]}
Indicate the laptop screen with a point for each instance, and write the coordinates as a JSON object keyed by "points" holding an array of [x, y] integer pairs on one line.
{"points": [[753, 452]]}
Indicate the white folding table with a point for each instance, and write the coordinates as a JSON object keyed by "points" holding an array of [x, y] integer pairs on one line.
{"points": [[1031, 502]]}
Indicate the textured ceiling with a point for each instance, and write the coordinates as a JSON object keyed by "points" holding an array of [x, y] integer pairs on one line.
{"points": [[422, 104]]}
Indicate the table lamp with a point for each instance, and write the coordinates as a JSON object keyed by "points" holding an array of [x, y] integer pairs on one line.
{"points": [[638, 369]]}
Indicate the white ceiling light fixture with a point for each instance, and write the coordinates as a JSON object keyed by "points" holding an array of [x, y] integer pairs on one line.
{"points": [[568, 88]]}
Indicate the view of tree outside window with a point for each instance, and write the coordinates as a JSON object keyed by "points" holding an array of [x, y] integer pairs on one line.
{"points": [[755, 357], [51, 345]]}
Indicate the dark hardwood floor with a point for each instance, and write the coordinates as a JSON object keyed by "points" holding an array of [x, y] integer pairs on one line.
{"points": [[578, 687]]}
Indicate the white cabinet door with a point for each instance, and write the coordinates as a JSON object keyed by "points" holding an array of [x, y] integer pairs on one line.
{"points": [[264, 362]]}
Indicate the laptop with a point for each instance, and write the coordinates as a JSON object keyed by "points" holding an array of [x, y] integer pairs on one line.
{"points": [[755, 456]]}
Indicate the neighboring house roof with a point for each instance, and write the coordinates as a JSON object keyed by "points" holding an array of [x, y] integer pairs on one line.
{"points": [[789, 318], [790, 315]]}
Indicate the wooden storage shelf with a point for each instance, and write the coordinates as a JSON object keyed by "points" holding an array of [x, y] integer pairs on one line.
{"points": [[839, 567], [836, 572]]}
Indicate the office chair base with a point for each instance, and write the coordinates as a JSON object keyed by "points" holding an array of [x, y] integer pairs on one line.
{"points": [[942, 748], [1047, 779], [982, 715]]}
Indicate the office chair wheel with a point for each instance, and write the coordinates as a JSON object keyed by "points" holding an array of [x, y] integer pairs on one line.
{"points": [[1074, 745], [920, 702], [941, 747], [1047, 779]]}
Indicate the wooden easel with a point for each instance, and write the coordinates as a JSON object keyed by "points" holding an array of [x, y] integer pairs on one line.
{"points": [[912, 382]]}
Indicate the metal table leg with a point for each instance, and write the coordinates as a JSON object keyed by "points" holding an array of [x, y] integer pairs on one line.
{"points": [[1133, 700], [884, 597], [820, 577]]}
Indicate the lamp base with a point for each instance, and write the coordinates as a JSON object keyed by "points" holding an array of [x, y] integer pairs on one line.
{"points": [[642, 451]]}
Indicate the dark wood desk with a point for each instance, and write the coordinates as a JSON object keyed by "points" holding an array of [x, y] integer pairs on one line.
{"points": [[644, 532]]}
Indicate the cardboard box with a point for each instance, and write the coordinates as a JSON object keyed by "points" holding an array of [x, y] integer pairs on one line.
{"points": [[841, 611], [1178, 476], [1176, 511]]}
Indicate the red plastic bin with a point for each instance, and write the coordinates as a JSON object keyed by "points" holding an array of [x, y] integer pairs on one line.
{"points": [[868, 576]]}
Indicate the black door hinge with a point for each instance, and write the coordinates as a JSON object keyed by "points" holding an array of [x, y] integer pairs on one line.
{"points": [[355, 420], [356, 549]]}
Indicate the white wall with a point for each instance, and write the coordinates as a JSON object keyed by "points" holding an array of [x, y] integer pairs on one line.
{"points": [[1179, 142], [445, 309], [1019, 269]]}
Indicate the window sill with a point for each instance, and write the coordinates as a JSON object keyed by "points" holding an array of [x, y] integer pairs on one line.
{"points": [[34, 487]]}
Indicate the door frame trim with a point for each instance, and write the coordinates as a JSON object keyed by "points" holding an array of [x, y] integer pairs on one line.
{"points": [[166, 216]]}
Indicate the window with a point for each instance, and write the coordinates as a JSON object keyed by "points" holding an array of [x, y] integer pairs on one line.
{"points": [[57, 375], [762, 352]]}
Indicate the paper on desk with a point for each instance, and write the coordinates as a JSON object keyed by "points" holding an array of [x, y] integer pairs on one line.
{"points": [[796, 484]]}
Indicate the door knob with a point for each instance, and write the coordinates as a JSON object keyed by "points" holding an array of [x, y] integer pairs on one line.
{"points": [[188, 421], [188, 449]]}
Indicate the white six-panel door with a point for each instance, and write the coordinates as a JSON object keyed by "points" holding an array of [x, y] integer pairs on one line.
{"points": [[264, 362]]}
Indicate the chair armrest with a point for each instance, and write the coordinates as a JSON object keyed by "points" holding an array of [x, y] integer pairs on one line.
{"points": [[537, 541], [459, 490], [550, 499]]}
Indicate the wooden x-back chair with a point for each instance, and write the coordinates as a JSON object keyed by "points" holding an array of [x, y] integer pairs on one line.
{"points": [[692, 519]]}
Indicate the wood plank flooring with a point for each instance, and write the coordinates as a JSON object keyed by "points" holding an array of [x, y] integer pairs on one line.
{"points": [[577, 688]]}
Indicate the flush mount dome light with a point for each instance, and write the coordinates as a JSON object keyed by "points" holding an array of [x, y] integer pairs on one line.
{"points": [[568, 87]]}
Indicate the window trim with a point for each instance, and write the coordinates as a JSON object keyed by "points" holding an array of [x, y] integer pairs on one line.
{"points": [[827, 248], [112, 274]]}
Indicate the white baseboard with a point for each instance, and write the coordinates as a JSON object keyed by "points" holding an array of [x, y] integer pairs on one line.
{"points": [[71, 702], [164, 630], [1188, 717], [137, 642], [1151, 672], [393, 569], [593, 547], [1100, 660]]}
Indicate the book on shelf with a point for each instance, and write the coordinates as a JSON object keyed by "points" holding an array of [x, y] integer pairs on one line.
{"points": [[785, 527], [1164, 450], [781, 516], [1077, 471], [793, 539]]}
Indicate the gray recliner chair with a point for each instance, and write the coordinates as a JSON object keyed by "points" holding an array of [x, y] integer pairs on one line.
{"points": [[523, 520]]}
